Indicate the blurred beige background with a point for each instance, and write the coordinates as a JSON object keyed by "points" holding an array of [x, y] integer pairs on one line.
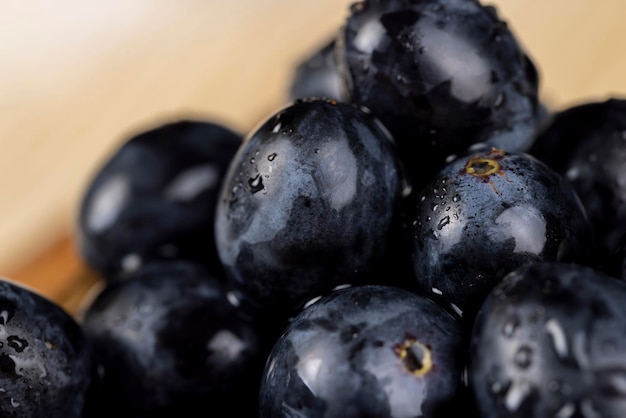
{"points": [[77, 77]]}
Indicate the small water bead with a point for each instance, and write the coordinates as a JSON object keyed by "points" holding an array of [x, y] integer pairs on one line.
{"points": [[510, 327], [255, 184], [523, 357]]}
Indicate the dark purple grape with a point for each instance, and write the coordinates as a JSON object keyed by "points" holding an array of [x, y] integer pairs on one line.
{"points": [[167, 342], [586, 143], [550, 341], [317, 75], [487, 213], [155, 197], [441, 75], [311, 201], [45, 361], [367, 351]]}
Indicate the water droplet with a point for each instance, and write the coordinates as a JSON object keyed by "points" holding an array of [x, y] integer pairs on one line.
{"points": [[317, 151], [523, 357], [456, 198], [422, 198], [434, 207], [498, 387], [252, 160], [271, 156], [510, 326], [443, 222], [436, 291], [255, 184], [422, 49]]}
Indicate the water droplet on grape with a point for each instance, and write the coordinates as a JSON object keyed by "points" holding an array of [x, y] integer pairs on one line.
{"points": [[523, 357], [255, 184]]}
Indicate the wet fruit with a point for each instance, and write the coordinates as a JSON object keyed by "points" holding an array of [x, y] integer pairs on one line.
{"points": [[167, 341], [485, 214], [549, 342], [310, 201], [367, 351], [441, 75], [45, 360]]}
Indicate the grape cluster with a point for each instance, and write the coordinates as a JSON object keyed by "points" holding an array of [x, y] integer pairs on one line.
{"points": [[413, 234]]}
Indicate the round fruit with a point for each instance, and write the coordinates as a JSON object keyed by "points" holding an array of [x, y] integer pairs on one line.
{"points": [[168, 342], [310, 202], [154, 198], [440, 75], [485, 214], [367, 351], [45, 361], [549, 342], [586, 143]]}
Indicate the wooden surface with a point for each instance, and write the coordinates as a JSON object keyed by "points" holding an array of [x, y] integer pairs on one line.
{"points": [[78, 76]]}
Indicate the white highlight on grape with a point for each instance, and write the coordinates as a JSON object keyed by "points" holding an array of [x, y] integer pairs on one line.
{"points": [[526, 225], [369, 36], [107, 203], [190, 183], [226, 345], [518, 391], [131, 262], [559, 340]]}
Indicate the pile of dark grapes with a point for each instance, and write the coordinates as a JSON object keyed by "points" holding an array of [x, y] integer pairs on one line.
{"points": [[413, 234]]}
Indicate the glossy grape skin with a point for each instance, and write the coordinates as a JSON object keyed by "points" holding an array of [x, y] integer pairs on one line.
{"points": [[366, 351], [167, 342], [317, 75], [45, 361], [441, 75], [586, 144], [550, 341], [154, 197], [487, 213], [311, 201]]}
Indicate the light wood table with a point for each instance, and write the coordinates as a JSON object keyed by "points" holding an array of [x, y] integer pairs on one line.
{"points": [[77, 77]]}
